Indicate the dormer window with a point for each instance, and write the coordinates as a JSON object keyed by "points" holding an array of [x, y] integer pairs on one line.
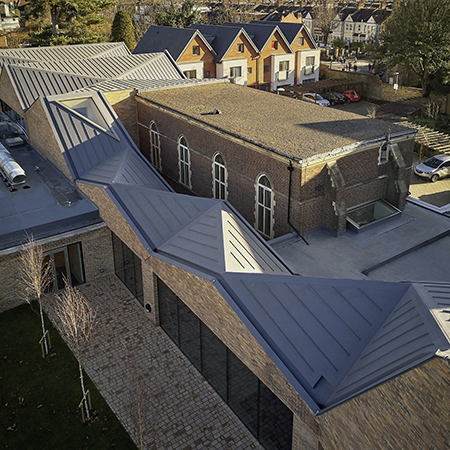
{"points": [[196, 50], [240, 48]]}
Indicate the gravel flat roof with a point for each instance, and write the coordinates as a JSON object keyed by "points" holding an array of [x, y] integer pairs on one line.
{"points": [[293, 127]]}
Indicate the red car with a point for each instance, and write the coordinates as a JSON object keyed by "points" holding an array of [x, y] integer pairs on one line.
{"points": [[351, 96]]}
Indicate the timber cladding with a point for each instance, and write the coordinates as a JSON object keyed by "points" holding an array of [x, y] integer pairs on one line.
{"points": [[312, 196], [98, 262]]}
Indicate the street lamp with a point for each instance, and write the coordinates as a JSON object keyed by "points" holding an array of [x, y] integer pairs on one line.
{"points": [[396, 86]]}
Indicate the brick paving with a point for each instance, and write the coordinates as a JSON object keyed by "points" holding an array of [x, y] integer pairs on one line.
{"points": [[181, 411]]}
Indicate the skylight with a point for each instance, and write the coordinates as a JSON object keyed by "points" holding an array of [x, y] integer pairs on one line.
{"points": [[86, 107]]}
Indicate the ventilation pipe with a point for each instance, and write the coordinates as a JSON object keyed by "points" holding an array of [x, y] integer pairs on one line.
{"points": [[10, 168]]}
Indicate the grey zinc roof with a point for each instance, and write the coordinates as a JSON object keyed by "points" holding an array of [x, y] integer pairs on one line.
{"points": [[334, 339], [148, 85], [158, 66], [301, 129], [174, 40], [62, 52], [31, 84], [52, 204]]}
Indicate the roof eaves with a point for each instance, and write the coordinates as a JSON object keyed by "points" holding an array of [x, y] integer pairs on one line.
{"points": [[16, 89]]}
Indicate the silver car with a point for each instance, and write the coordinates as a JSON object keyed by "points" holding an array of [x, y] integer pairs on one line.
{"points": [[434, 168], [315, 98]]}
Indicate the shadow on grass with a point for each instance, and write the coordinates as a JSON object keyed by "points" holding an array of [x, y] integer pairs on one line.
{"points": [[39, 397]]}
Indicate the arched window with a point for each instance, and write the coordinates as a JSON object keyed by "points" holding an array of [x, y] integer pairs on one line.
{"points": [[220, 178], [264, 206], [155, 147], [184, 162]]}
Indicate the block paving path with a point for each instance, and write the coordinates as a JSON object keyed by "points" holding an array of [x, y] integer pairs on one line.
{"points": [[180, 409]]}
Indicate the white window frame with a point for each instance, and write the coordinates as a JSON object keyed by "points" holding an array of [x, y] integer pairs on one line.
{"points": [[184, 161], [264, 206], [220, 181], [233, 71], [240, 48], [155, 145]]}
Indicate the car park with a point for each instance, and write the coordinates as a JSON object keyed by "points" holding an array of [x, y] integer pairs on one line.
{"points": [[334, 98], [315, 98], [351, 96], [434, 168]]}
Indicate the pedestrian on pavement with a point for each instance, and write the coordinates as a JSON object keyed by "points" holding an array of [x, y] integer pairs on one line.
{"points": [[349, 65], [370, 66], [354, 67]]}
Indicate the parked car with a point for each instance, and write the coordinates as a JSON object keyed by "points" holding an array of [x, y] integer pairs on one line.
{"points": [[334, 98], [351, 96], [434, 168], [315, 98]]}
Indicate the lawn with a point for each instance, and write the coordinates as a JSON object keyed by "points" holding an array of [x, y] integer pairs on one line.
{"points": [[39, 397]]}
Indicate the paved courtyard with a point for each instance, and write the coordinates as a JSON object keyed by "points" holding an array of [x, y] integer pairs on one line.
{"points": [[181, 411]]}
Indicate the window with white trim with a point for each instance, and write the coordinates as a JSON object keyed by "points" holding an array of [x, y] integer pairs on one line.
{"points": [[283, 70], [184, 162], [155, 146], [240, 48], [264, 206], [220, 178], [235, 72], [309, 65]]}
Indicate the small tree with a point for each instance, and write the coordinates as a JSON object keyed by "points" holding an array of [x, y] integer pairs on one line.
{"points": [[338, 43], [36, 277], [78, 319], [122, 29]]}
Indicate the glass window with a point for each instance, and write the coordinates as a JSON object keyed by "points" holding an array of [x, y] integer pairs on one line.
{"points": [[189, 334], [128, 268], [184, 162], [257, 407], [214, 361], [243, 392], [249, 70], [266, 68], [190, 74], [76, 264], [274, 45], [196, 50], [220, 178], [86, 107], [264, 201], [155, 147], [300, 41], [284, 65], [240, 48], [168, 310], [207, 74], [235, 72]]}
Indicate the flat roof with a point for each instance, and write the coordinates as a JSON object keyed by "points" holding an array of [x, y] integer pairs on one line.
{"points": [[292, 127], [51, 205]]}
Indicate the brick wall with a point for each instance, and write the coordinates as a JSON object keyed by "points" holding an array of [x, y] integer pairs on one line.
{"points": [[124, 105], [42, 137], [96, 246], [311, 203], [408, 412]]}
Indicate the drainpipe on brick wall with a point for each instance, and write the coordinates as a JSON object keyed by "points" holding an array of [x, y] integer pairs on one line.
{"points": [[291, 169]]}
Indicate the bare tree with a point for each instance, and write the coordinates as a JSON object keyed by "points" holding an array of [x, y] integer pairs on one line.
{"points": [[325, 12], [78, 319], [36, 277]]}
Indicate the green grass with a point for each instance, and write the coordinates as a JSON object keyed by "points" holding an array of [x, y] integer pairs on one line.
{"points": [[39, 397]]}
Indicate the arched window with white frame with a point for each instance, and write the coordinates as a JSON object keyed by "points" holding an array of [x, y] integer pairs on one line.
{"points": [[264, 206], [155, 146], [219, 178], [184, 162]]}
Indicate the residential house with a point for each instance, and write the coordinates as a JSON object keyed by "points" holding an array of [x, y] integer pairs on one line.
{"points": [[276, 62], [307, 53], [191, 51], [303, 362], [236, 56], [8, 21], [358, 25]]}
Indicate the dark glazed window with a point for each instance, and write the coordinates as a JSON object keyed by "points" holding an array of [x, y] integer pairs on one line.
{"points": [[268, 419], [128, 268]]}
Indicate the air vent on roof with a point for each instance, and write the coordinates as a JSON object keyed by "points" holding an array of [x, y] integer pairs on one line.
{"points": [[10, 169]]}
